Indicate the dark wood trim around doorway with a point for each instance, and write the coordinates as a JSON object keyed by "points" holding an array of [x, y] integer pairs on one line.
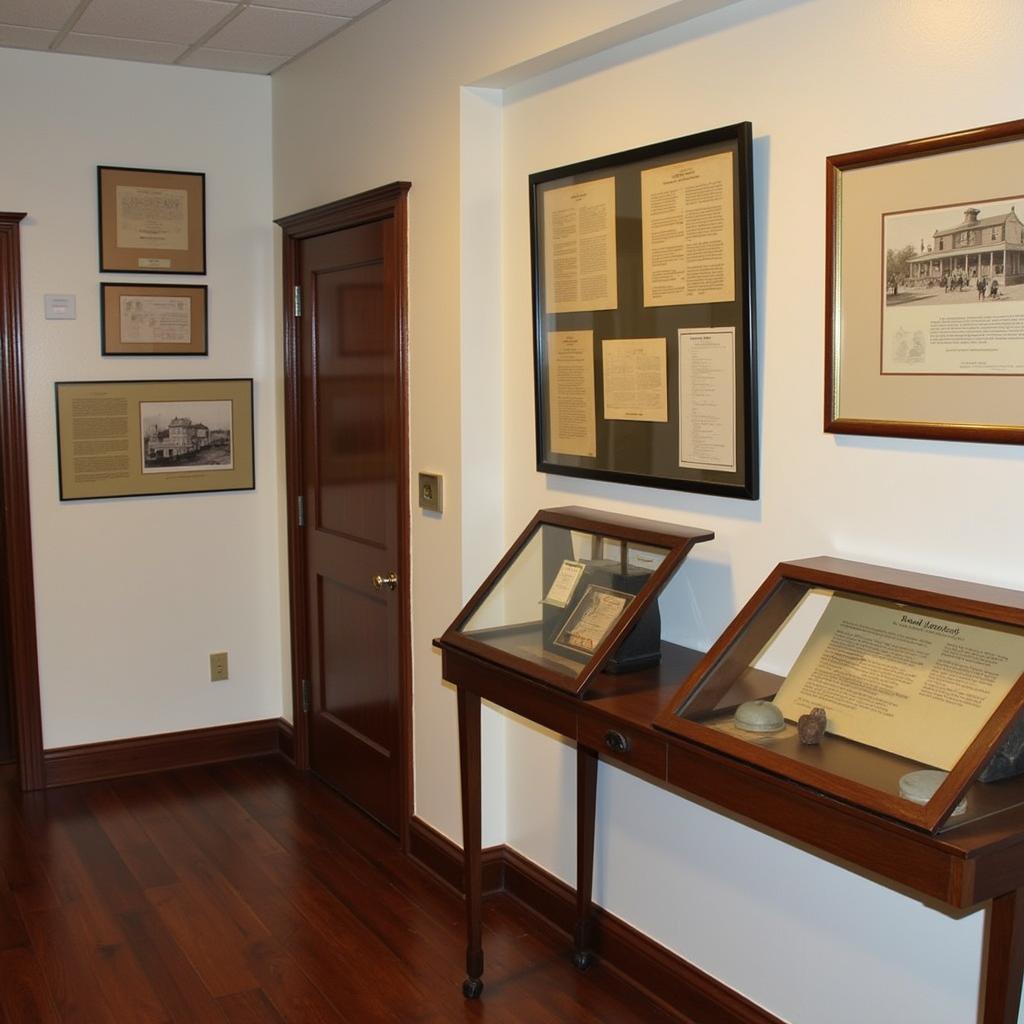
{"points": [[17, 529], [376, 204]]}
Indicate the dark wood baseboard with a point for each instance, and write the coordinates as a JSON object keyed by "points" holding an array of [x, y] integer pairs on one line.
{"points": [[681, 988], [286, 739], [140, 755]]}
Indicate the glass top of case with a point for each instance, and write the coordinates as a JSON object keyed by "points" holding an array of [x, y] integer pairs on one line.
{"points": [[568, 593], [894, 704]]}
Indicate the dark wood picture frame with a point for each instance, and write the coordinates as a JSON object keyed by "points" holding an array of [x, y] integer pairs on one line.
{"points": [[648, 453], [177, 240], [132, 477], [961, 406], [112, 341]]}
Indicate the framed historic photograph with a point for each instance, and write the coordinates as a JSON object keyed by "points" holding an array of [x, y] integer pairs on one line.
{"points": [[152, 222], [121, 439], [643, 303], [153, 319], [924, 305]]}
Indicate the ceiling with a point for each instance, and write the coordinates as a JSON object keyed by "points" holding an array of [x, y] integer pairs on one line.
{"points": [[252, 36]]}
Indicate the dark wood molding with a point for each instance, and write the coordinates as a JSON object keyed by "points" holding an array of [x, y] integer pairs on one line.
{"points": [[143, 754], [668, 979], [17, 529], [376, 204], [286, 738]]}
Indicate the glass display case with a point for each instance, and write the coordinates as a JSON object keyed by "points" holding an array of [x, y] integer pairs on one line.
{"points": [[894, 691], [575, 594]]}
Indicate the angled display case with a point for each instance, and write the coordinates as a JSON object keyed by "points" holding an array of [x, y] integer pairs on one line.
{"points": [[575, 594], [896, 692]]}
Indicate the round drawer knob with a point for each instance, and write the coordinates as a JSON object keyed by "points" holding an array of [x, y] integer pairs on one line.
{"points": [[616, 742]]}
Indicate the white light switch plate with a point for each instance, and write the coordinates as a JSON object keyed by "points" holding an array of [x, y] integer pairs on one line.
{"points": [[59, 307]]}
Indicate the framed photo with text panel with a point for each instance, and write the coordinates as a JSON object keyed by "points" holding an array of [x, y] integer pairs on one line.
{"points": [[924, 304]]}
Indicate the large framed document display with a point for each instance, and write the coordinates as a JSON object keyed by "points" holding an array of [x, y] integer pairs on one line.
{"points": [[894, 691], [575, 594], [643, 300], [152, 222], [153, 319], [127, 438], [924, 315]]}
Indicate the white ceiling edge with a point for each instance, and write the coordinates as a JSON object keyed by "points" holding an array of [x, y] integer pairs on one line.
{"points": [[654, 21]]}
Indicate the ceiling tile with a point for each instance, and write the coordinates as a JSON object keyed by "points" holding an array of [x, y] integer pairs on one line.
{"points": [[262, 30], [166, 21], [36, 13], [339, 8], [234, 60], [26, 38], [121, 49]]}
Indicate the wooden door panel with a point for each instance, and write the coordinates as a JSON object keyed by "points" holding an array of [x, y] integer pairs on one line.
{"points": [[356, 662]]}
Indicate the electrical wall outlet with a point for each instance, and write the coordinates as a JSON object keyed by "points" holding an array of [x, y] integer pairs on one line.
{"points": [[218, 666]]}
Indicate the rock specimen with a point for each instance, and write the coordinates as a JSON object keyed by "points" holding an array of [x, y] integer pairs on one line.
{"points": [[811, 727]]}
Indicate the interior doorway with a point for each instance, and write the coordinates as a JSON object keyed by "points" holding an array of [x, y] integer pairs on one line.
{"points": [[344, 268], [17, 603]]}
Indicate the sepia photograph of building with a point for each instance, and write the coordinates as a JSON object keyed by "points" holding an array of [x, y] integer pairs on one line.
{"points": [[186, 435]]}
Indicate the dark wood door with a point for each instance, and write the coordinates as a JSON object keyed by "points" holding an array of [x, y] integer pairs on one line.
{"points": [[6, 690], [352, 456]]}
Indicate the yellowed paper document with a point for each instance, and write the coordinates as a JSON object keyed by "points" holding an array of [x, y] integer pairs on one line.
{"points": [[571, 404], [688, 232], [152, 218], [635, 375], [147, 319], [592, 619], [707, 399], [902, 680], [579, 247], [564, 586]]}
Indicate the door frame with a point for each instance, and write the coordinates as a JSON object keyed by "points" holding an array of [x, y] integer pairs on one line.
{"points": [[375, 204], [16, 518]]}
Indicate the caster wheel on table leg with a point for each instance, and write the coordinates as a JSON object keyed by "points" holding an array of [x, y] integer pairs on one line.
{"points": [[583, 960], [472, 987]]}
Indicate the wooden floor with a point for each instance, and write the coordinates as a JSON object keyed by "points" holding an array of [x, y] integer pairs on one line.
{"points": [[248, 893]]}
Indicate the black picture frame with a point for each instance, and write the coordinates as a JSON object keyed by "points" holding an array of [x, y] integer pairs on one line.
{"points": [[112, 336], [176, 247], [104, 429], [649, 453]]}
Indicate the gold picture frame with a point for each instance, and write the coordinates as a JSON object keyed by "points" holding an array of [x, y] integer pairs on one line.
{"points": [[121, 439], [153, 319], [152, 222], [924, 305]]}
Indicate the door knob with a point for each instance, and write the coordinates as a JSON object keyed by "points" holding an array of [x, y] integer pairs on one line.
{"points": [[390, 581]]}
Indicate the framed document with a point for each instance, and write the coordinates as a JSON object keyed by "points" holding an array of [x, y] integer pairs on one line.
{"points": [[925, 288], [153, 320], [643, 300], [120, 439], [152, 222]]}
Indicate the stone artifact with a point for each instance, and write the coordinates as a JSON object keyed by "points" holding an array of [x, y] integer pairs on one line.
{"points": [[759, 716], [919, 787], [811, 727]]}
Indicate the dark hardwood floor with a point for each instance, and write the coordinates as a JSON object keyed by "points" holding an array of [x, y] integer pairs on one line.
{"points": [[249, 893]]}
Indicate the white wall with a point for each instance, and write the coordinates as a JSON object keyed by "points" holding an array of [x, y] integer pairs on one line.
{"points": [[133, 594], [809, 940]]}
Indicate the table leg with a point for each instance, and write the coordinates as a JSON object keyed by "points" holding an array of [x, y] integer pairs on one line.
{"points": [[1004, 962], [469, 761], [586, 811]]}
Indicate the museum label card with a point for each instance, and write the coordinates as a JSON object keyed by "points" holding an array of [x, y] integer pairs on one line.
{"points": [[561, 591], [635, 377], [707, 399], [579, 247], [688, 235], [901, 679], [571, 405]]}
